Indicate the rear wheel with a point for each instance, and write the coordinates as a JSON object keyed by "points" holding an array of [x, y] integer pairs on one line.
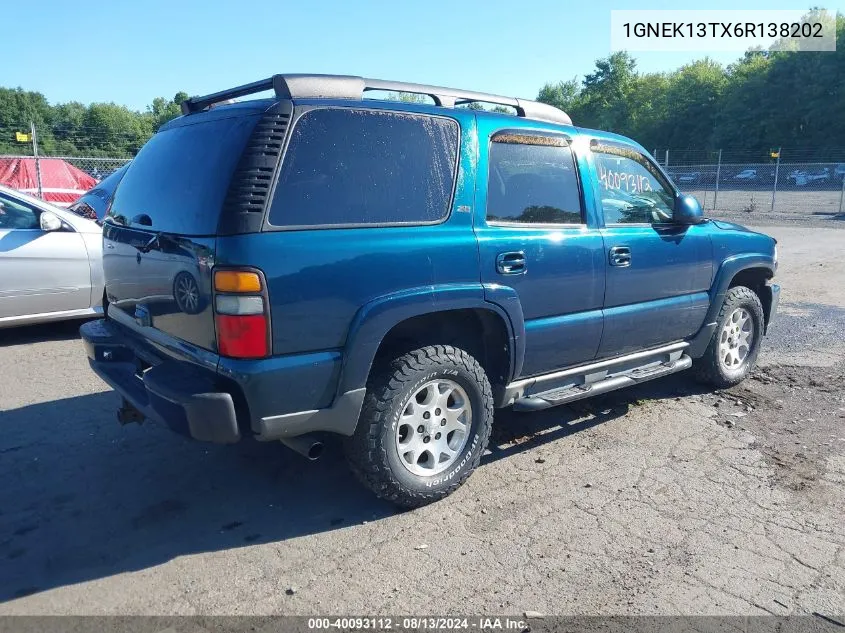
{"points": [[733, 350], [425, 422]]}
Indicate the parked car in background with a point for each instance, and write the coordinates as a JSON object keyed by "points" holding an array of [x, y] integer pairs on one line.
{"points": [[689, 178], [402, 269], [746, 175], [50, 262], [685, 178], [93, 203], [803, 178]]}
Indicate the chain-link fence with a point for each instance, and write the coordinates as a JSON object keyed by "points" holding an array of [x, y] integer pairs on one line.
{"points": [[779, 187], [57, 179], [59, 164]]}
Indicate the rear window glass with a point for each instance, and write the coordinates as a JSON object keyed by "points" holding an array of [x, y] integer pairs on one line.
{"points": [[180, 177], [346, 166]]}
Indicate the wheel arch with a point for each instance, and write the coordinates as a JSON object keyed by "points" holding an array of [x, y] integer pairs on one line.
{"points": [[414, 318], [755, 278], [738, 270]]}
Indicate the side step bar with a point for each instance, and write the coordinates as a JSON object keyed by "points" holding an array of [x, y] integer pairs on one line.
{"points": [[573, 392]]}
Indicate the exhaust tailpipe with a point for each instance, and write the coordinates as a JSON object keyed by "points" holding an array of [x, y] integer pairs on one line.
{"points": [[309, 446]]}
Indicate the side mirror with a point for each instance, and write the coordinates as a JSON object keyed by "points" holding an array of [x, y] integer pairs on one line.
{"points": [[687, 210], [50, 221]]}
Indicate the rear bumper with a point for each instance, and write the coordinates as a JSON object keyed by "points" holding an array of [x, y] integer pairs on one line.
{"points": [[178, 394], [277, 398]]}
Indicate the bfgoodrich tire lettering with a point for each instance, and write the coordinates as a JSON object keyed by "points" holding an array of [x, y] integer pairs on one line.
{"points": [[733, 350], [373, 451]]}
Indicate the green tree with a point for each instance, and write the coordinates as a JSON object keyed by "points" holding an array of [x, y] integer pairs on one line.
{"points": [[562, 95], [162, 110], [19, 108], [688, 106], [115, 130], [764, 100], [604, 100], [407, 97]]}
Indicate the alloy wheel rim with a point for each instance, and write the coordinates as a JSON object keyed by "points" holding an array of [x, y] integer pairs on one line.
{"points": [[736, 339], [433, 427]]}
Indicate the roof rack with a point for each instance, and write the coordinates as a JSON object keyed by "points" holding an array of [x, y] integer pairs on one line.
{"points": [[349, 87]]}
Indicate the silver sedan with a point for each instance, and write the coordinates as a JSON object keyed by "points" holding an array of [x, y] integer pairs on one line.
{"points": [[51, 262]]}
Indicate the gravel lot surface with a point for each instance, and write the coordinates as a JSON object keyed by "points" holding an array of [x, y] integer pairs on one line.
{"points": [[822, 208], [662, 499]]}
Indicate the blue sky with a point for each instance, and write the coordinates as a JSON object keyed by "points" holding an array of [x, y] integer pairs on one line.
{"points": [[129, 52]]}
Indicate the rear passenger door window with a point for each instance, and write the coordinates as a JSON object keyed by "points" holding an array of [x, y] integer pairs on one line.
{"points": [[633, 191], [348, 167], [532, 180]]}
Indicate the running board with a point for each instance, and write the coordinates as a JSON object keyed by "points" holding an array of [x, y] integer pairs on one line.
{"points": [[571, 393]]}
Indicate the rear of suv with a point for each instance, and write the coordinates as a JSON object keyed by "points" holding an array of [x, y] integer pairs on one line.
{"points": [[318, 262]]}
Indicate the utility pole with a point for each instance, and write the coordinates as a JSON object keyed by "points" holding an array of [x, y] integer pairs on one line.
{"points": [[718, 173], [842, 194], [37, 161], [775, 189]]}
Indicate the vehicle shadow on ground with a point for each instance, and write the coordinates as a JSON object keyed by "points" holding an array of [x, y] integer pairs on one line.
{"points": [[83, 498], [516, 432], [57, 331]]}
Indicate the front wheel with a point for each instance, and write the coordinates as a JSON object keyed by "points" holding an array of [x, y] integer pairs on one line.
{"points": [[733, 350], [425, 422]]}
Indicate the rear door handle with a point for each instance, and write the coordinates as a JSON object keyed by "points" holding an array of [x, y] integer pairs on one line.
{"points": [[620, 256], [512, 263]]}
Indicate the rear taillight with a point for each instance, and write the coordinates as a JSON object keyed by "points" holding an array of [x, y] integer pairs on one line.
{"points": [[240, 309]]}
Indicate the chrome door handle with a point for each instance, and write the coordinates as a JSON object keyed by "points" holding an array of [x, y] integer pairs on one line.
{"points": [[511, 263], [620, 256]]}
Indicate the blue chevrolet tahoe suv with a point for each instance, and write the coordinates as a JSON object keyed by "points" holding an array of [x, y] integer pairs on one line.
{"points": [[321, 262]]}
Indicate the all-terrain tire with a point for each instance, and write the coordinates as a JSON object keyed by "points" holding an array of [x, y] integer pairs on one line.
{"points": [[711, 368], [372, 451]]}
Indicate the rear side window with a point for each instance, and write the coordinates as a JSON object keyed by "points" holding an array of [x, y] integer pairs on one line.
{"points": [[353, 167], [532, 180], [179, 179]]}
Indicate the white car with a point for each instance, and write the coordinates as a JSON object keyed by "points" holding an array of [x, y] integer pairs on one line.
{"points": [[746, 174], [802, 178], [51, 262], [689, 178]]}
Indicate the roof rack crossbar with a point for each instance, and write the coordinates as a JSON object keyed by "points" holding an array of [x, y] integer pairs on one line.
{"points": [[196, 104], [295, 86]]}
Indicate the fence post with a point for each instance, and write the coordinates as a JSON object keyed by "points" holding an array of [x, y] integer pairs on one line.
{"points": [[775, 189], [718, 173], [37, 161], [842, 194], [666, 163]]}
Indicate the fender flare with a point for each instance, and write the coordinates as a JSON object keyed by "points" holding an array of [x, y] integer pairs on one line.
{"points": [[376, 318], [729, 269]]}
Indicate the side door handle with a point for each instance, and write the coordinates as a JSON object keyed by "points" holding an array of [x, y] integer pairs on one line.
{"points": [[512, 263], [620, 256]]}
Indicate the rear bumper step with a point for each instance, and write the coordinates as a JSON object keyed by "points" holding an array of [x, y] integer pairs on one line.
{"points": [[570, 393]]}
